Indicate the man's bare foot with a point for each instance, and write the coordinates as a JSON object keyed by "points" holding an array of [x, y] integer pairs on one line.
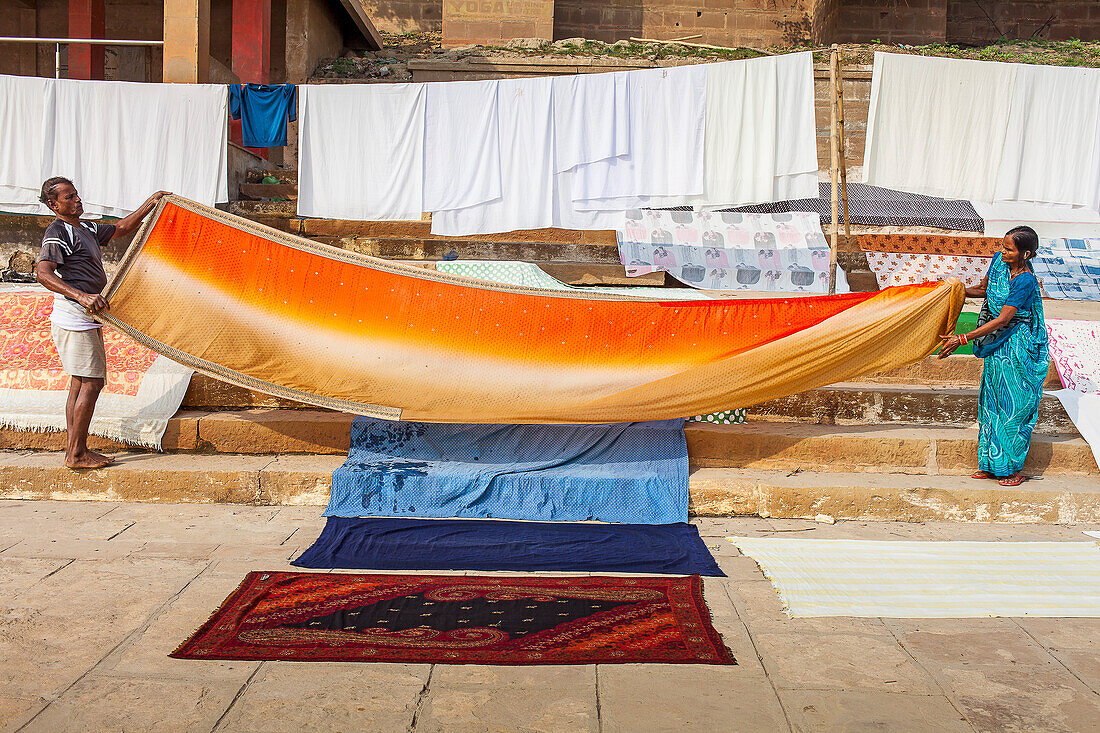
{"points": [[90, 459]]}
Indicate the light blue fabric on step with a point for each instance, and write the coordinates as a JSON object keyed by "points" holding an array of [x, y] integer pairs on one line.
{"points": [[629, 472]]}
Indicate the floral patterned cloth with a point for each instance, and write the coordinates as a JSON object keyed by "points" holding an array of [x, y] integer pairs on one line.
{"points": [[143, 389], [894, 268]]}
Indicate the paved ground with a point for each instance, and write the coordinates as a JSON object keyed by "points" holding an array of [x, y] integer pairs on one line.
{"points": [[95, 595]]}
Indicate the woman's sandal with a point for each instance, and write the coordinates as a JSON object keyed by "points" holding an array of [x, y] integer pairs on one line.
{"points": [[982, 474], [1013, 480]]}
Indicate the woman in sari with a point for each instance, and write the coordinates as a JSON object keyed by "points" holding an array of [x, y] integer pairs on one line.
{"points": [[1013, 342]]}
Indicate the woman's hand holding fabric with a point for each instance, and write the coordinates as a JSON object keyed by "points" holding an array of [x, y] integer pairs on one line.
{"points": [[950, 343]]}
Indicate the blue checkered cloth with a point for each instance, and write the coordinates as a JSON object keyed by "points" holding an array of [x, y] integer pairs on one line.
{"points": [[1069, 269]]}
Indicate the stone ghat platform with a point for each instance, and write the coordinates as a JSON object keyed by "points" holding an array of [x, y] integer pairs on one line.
{"points": [[898, 446]]}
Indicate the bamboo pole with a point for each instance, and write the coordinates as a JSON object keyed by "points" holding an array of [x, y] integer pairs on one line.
{"points": [[834, 168], [843, 143]]}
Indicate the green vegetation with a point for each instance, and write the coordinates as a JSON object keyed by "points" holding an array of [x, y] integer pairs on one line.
{"points": [[1073, 52], [401, 47]]}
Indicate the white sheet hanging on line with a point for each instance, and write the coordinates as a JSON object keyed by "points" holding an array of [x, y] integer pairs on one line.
{"points": [[1051, 151], [526, 166], [361, 151], [461, 144], [985, 131], [1048, 220], [937, 126], [122, 141], [22, 99], [761, 134], [666, 111], [591, 118]]}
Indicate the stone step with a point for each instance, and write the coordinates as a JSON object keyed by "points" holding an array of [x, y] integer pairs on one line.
{"points": [[305, 480], [266, 209], [843, 404], [269, 191], [412, 248], [873, 404], [338, 228], [956, 372], [890, 448], [282, 174]]}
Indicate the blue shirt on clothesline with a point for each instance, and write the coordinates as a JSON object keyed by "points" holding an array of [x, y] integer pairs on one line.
{"points": [[264, 110]]}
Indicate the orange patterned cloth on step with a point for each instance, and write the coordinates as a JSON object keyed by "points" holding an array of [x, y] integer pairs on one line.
{"points": [[930, 244]]}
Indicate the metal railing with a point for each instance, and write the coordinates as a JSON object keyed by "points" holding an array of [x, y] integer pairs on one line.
{"points": [[70, 41]]}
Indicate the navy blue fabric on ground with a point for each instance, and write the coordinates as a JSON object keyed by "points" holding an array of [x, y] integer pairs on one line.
{"points": [[623, 472], [486, 544]]}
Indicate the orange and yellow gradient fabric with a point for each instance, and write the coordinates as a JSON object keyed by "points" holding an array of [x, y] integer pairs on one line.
{"points": [[279, 314]]}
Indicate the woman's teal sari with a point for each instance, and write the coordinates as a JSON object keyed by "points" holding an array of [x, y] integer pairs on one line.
{"points": [[1013, 375]]}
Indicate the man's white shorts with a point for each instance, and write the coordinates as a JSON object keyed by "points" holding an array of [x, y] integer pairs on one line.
{"points": [[82, 353]]}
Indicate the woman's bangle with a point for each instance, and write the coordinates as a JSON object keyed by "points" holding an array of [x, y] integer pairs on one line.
{"points": [[962, 339]]}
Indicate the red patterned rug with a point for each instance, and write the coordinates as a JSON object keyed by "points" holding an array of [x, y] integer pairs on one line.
{"points": [[456, 619]]}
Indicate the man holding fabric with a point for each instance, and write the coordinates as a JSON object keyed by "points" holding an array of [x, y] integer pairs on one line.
{"points": [[71, 265]]}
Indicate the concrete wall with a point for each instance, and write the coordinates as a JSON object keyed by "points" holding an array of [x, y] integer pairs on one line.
{"points": [[720, 22], [403, 16], [1053, 19], [496, 21], [312, 33]]}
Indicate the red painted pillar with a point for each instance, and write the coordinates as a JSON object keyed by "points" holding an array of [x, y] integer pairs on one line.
{"points": [[252, 40], [86, 20], [251, 51]]}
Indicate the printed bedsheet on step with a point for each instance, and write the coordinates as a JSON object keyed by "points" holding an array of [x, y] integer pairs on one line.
{"points": [[1069, 269], [783, 252]]}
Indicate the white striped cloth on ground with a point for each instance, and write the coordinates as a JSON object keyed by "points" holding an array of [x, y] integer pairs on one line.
{"points": [[908, 579]]}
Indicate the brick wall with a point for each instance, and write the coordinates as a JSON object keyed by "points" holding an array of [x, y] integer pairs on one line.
{"points": [[891, 21], [1053, 19], [496, 21], [719, 22], [752, 22], [403, 16]]}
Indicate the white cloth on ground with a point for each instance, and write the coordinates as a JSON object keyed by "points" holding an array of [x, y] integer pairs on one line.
{"points": [[591, 118], [666, 116], [761, 134], [526, 166], [461, 144], [22, 100], [361, 151], [937, 126], [1075, 351], [121, 141], [913, 579]]}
